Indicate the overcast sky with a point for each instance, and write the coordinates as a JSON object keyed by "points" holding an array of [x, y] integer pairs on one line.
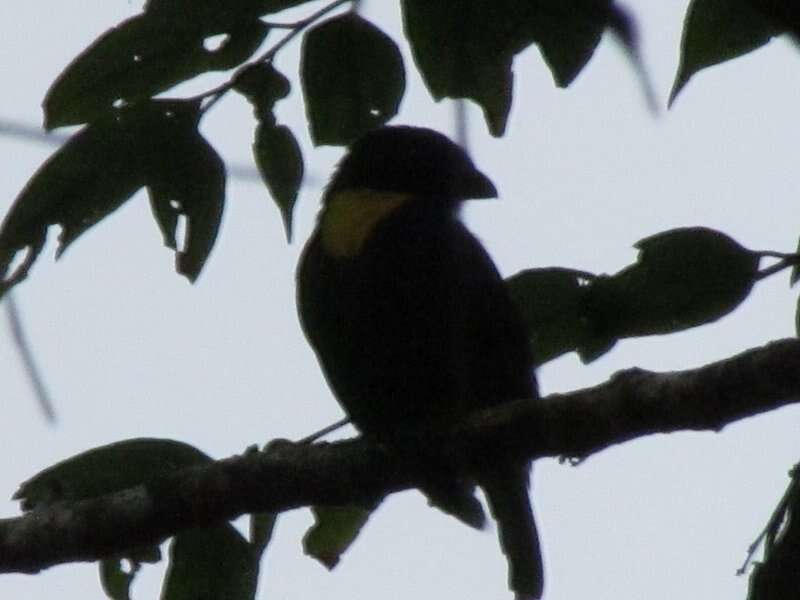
{"points": [[129, 349]]}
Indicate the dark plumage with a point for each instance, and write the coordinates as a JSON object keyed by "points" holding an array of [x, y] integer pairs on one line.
{"points": [[410, 319]]}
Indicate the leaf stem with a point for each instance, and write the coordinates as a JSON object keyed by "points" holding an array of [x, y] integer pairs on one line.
{"points": [[786, 260], [215, 94]]}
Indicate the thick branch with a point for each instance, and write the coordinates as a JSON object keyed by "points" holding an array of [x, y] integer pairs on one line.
{"points": [[631, 404]]}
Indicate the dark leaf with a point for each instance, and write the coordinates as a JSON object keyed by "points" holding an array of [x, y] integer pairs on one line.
{"points": [[276, 151], [715, 31], [153, 143], [567, 33], [216, 16], [550, 302], [784, 14], [683, 278], [187, 178], [88, 178], [777, 577], [139, 58], [280, 163], [107, 469], [797, 319], [335, 529], [115, 579], [466, 49], [210, 564], [263, 86], [353, 79], [261, 527]]}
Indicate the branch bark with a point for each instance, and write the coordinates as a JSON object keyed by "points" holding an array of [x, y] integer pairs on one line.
{"points": [[632, 404]]}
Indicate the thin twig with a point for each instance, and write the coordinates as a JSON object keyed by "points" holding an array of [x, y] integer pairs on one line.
{"points": [[789, 260], [215, 94], [324, 431], [28, 362]]}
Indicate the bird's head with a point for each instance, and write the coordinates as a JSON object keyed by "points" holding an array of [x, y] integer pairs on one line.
{"points": [[411, 160]]}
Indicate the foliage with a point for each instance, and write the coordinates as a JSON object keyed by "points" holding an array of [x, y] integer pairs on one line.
{"points": [[353, 78]]}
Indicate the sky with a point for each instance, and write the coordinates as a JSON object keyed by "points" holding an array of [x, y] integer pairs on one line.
{"points": [[129, 349]]}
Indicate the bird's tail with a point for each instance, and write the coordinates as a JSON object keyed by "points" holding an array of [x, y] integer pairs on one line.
{"points": [[507, 492]]}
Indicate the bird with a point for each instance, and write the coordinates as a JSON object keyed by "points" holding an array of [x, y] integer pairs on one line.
{"points": [[411, 322]]}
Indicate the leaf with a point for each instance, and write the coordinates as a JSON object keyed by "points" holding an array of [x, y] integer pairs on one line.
{"points": [[107, 469], [276, 151], [550, 301], [335, 529], [784, 15], [683, 278], [262, 526], [87, 179], [568, 33], [352, 77], [216, 16], [715, 31], [776, 576], [797, 319], [187, 177], [211, 563], [280, 163], [464, 50], [153, 143], [263, 85], [116, 581], [139, 58]]}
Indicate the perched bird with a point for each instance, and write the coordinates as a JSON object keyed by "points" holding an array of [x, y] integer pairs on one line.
{"points": [[411, 321]]}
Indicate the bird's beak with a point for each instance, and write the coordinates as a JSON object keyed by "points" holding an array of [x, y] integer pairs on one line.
{"points": [[475, 185]]}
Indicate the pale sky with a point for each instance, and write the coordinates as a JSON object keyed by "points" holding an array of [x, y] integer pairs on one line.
{"points": [[129, 349]]}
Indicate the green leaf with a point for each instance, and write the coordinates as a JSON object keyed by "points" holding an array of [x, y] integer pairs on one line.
{"points": [[280, 163], [352, 76], [797, 319], [263, 85], [715, 31], [107, 469], [683, 278], [568, 33], [464, 50], [550, 301], [139, 58], [116, 581], [186, 177], [784, 14], [262, 526], [276, 151], [152, 143], [215, 563], [335, 529], [87, 179]]}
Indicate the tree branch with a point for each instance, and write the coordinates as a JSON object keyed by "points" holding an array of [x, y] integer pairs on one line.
{"points": [[632, 404]]}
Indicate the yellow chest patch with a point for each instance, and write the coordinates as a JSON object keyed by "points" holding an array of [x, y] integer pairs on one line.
{"points": [[350, 217]]}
